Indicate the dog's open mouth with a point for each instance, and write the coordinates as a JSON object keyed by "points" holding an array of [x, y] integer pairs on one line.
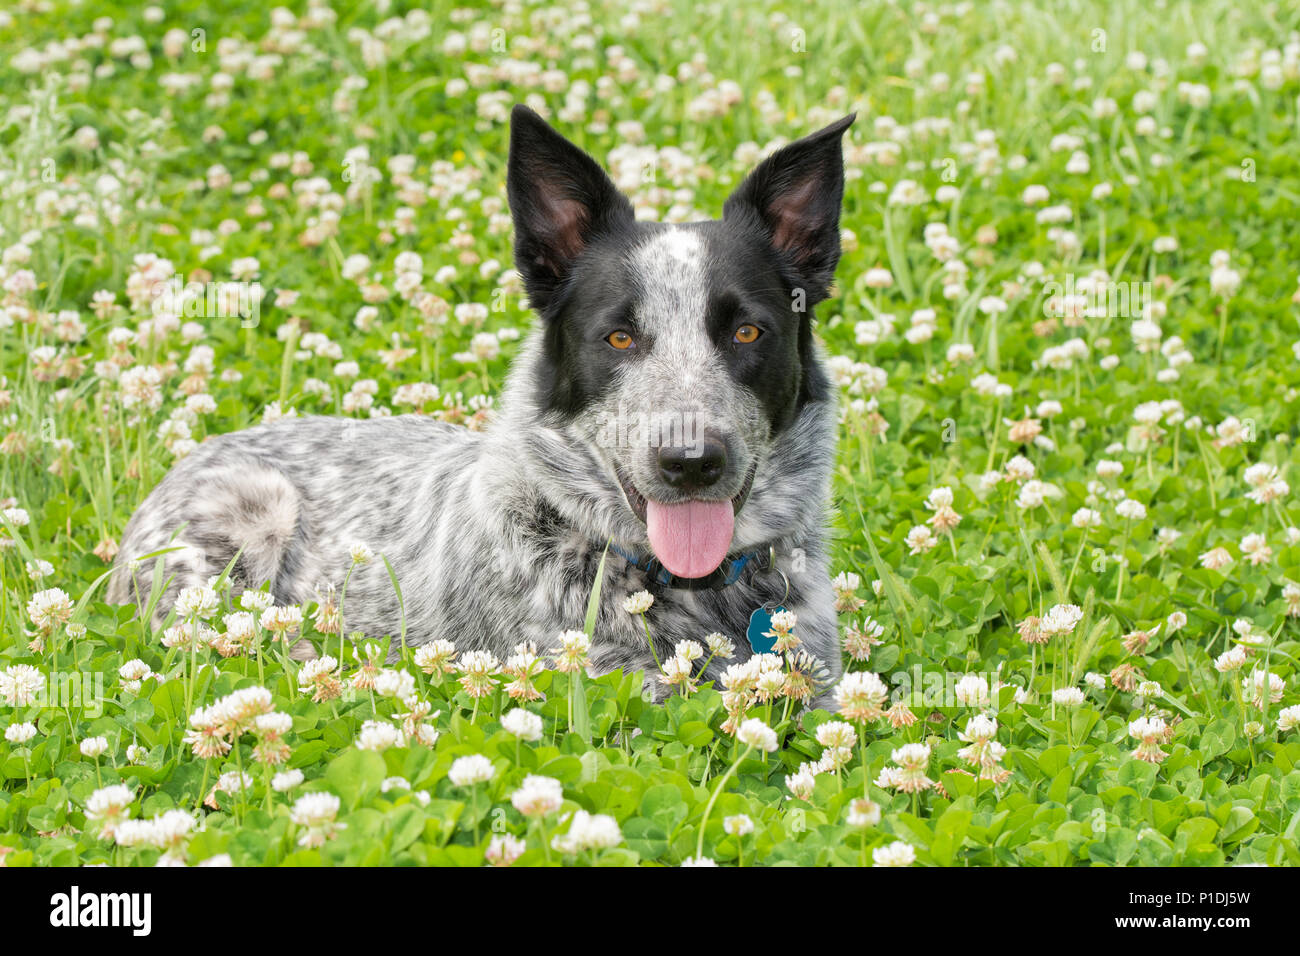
{"points": [[690, 538]]}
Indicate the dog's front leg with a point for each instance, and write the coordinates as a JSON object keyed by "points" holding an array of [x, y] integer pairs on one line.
{"points": [[818, 632]]}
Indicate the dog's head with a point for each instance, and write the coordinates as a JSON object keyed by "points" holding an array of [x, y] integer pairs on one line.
{"points": [[683, 352]]}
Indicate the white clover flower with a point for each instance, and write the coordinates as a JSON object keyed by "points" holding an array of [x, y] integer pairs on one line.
{"points": [[504, 850], [981, 727], [720, 646], [470, 770], [638, 603], [1061, 619], [240, 626], [860, 695], [864, 813], [379, 735], [1230, 660], [281, 621], [588, 832], [1225, 282], [1035, 493], [133, 673], [836, 733], [1068, 697], [108, 807], [1148, 413], [20, 684], [316, 812], [1131, 510], [878, 278], [960, 352], [972, 690], [538, 796], [18, 517], [754, 733], [1255, 548], [20, 733], [1149, 688], [255, 601], [48, 609], [1144, 727], [676, 670], [1034, 195], [802, 782], [273, 724], [741, 825], [394, 683], [1086, 518], [846, 581], [1288, 718], [523, 724], [940, 497], [897, 853], [170, 830], [197, 602], [1020, 468], [1168, 536], [1260, 684], [920, 539], [286, 780], [907, 192], [688, 650]]}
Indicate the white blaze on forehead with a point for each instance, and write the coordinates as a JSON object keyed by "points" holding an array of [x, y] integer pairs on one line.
{"points": [[682, 371], [670, 271]]}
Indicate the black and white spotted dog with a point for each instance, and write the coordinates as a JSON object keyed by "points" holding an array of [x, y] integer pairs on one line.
{"points": [[495, 537]]}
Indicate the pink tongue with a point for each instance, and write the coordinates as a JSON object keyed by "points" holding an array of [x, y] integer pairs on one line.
{"points": [[690, 539]]}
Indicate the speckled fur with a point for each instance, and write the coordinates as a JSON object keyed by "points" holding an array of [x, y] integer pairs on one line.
{"points": [[495, 537]]}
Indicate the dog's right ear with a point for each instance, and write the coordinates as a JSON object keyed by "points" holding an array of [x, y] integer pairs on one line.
{"points": [[560, 200]]}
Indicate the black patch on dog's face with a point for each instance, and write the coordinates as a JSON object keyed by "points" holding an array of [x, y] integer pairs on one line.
{"points": [[599, 297], [748, 285]]}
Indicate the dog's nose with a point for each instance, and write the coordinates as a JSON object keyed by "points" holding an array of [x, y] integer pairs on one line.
{"points": [[693, 468]]}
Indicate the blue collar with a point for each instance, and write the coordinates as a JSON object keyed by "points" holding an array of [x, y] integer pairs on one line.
{"points": [[726, 574]]}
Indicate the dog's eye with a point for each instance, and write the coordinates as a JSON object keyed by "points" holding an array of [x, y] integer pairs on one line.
{"points": [[621, 340], [746, 334]]}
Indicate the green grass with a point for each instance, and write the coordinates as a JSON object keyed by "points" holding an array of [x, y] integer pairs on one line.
{"points": [[79, 209]]}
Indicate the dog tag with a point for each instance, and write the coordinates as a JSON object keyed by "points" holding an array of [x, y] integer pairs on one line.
{"points": [[760, 622]]}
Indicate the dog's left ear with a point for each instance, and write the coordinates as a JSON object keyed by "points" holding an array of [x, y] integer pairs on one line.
{"points": [[795, 195], [560, 199]]}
